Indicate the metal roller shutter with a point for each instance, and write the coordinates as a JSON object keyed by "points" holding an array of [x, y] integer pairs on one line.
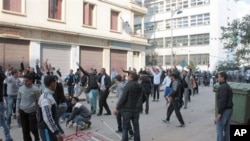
{"points": [[12, 51], [118, 60], [91, 57], [58, 56]]}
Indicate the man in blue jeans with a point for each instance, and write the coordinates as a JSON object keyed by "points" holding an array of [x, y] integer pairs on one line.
{"points": [[2, 120], [225, 108], [130, 105]]}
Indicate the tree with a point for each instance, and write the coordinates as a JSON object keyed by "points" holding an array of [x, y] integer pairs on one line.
{"points": [[236, 38]]}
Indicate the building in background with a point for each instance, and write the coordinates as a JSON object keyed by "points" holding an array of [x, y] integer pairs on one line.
{"points": [[96, 33], [187, 30]]}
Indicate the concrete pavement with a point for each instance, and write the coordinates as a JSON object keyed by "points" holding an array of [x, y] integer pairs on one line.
{"points": [[198, 118]]}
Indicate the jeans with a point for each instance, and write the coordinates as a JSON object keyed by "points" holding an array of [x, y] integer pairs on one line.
{"points": [[186, 97], [80, 120], [167, 91], [134, 117], [61, 109], [4, 124], [93, 93], [47, 135], [223, 126], [66, 115], [29, 124], [71, 90], [11, 103]]}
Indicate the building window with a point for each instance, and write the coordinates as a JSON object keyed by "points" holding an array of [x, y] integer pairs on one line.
{"points": [[180, 22], [176, 4], [167, 59], [114, 20], [200, 59], [88, 14], [14, 5], [177, 41], [55, 9], [201, 19], [159, 43], [149, 27], [199, 2], [199, 39]]}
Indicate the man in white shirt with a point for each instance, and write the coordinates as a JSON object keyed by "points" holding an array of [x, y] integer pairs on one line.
{"points": [[157, 80]]}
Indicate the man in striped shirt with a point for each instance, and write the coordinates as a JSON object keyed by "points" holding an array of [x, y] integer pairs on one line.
{"points": [[48, 128]]}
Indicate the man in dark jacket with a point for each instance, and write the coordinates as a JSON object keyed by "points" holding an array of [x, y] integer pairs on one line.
{"points": [[104, 83], [92, 88], [225, 108], [175, 99], [130, 105], [80, 114]]}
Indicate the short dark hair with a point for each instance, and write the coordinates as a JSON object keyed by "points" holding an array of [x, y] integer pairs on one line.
{"points": [[14, 71], [175, 74], [28, 76], [118, 77], [223, 74], [75, 98], [48, 80], [134, 76]]}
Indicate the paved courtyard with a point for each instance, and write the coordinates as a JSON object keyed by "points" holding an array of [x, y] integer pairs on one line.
{"points": [[198, 118]]}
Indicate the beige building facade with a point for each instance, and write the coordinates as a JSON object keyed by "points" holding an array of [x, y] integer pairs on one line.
{"points": [[96, 33]]}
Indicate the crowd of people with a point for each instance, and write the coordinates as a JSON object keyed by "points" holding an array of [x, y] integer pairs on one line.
{"points": [[39, 103]]}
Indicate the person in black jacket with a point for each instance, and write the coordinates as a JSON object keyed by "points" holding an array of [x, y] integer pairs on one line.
{"points": [[130, 105], [146, 85], [104, 83], [225, 108], [92, 88], [175, 99]]}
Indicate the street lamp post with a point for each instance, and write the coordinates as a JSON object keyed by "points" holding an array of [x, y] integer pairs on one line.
{"points": [[177, 11]]}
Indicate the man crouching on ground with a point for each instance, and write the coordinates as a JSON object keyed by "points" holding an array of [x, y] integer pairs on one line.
{"points": [[80, 114]]}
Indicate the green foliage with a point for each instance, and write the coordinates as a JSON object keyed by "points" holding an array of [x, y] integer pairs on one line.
{"points": [[236, 37], [193, 66]]}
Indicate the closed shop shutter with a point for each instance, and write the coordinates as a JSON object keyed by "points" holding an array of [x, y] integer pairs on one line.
{"points": [[12, 52], [118, 60], [91, 57], [58, 56]]}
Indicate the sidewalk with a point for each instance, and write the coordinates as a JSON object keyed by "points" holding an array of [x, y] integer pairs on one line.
{"points": [[198, 117]]}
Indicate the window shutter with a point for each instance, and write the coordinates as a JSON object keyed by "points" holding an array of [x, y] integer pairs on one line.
{"points": [[86, 14], [59, 10], [114, 20], [13, 5], [91, 11]]}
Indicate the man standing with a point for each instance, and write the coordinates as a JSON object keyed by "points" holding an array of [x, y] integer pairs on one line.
{"points": [[92, 88], [225, 108], [104, 84], [13, 83], [80, 114], [156, 81], [70, 82], [48, 128], [130, 105], [26, 106], [2, 119]]}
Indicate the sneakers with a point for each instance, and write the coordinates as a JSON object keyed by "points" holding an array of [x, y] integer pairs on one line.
{"points": [[182, 125], [107, 114], [89, 124], [165, 121]]}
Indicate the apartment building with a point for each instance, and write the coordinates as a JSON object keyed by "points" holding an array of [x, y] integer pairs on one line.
{"points": [[184, 31], [96, 33]]}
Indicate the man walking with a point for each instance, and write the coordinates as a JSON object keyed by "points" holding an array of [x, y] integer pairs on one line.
{"points": [[175, 99], [104, 84], [47, 113], [26, 106], [225, 108], [130, 105]]}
